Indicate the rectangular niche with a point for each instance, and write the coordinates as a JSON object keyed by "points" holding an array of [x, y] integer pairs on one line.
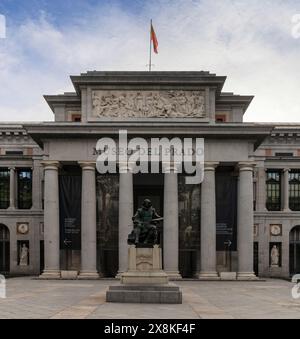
{"points": [[23, 253], [275, 254]]}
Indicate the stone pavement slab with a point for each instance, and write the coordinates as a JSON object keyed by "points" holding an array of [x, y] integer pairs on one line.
{"points": [[29, 298]]}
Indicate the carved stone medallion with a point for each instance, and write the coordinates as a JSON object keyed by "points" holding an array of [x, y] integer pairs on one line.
{"points": [[22, 228], [150, 104]]}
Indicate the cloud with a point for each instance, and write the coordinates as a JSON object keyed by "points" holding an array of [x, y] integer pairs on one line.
{"points": [[250, 42]]}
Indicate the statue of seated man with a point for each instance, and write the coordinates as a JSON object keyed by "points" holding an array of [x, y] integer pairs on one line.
{"points": [[144, 222]]}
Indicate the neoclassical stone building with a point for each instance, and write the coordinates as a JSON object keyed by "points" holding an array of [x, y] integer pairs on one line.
{"points": [[58, 214]]}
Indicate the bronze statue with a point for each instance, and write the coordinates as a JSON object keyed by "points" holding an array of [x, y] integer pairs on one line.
{"points": [[145, 223]]}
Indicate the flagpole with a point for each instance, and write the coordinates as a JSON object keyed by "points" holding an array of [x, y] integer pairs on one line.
{"points": [[150, 46]]}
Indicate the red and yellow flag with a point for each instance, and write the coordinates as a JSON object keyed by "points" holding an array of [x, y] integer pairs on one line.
{"points": [[154, 39]]}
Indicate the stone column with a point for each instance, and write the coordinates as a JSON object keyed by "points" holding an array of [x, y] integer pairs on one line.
{"points": [[12, 188], [170, 227], [125, 214], [286, 195], [261, 190], [51, 221], [208, 224], [245, 222], [88, 222]]}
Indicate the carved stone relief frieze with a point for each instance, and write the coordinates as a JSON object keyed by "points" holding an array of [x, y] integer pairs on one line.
{"points": [[150, 104]]}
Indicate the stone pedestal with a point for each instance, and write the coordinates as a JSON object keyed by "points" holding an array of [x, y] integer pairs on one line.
{"points": [[275, 271], [145, 281], [144, 266]]}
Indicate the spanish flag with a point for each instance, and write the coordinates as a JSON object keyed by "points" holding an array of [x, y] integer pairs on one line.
{"points": [[154, 39]]}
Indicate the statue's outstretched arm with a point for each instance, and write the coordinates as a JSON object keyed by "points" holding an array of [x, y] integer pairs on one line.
{"points": [[156, 215]]}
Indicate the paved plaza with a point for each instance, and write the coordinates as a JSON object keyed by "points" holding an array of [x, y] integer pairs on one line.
{"points": [[32, 298]]}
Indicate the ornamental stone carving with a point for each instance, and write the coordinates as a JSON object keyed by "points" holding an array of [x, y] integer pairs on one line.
{"points": [[150, 104]]}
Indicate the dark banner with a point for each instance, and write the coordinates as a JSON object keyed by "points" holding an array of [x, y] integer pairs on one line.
{"points": [[70, 211], [226, 210]]}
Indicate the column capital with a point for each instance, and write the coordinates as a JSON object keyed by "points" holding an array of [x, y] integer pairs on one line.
{"points": [[87, 165], [170, 167], [126, 167], [12, 168], [210, 165], [50, 164], [246, 166], [286, 170]]}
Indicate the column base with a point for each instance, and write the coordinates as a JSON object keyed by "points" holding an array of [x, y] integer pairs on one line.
{"points": [[246, 276], [50, 274], [208, 275], [173, 275], [261, 209], [88, 275]]}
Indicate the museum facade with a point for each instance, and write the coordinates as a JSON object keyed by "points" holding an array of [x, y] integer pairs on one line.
{"points": [[60, 217]]}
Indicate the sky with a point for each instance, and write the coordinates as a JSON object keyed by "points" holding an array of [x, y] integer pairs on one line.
{"points": [[256, 44]]}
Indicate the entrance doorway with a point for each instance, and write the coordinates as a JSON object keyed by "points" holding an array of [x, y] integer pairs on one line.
{"points": [[189, 227], [70, 184], [107, 189], [295, 250], [4, 249]]}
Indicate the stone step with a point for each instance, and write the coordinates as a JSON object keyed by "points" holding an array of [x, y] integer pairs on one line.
{"points": [[144, 296], [144, 288], [228, 276], [69, 275]]}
